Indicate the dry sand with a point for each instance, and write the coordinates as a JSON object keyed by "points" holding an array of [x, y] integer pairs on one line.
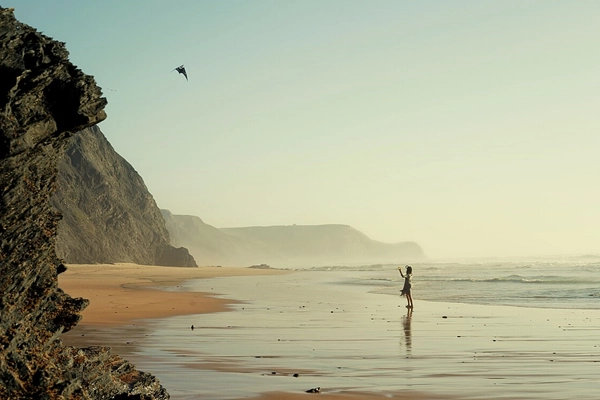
{"points": [[121, 293]]}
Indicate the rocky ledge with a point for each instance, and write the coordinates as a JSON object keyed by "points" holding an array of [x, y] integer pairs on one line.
{"points": [[44, 99]]}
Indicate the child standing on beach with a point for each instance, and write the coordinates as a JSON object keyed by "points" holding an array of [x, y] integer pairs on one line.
{"points": [[406, 290]]}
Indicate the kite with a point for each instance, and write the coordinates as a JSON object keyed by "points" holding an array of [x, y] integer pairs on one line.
{"points": [[181, 70]]}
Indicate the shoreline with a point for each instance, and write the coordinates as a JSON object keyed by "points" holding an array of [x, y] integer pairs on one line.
{"points": [[122, 293]]}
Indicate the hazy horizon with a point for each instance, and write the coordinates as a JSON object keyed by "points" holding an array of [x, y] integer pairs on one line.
{"points": [[468, 127]]}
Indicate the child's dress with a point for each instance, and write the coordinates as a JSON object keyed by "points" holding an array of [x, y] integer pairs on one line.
{"points": [[407, 284]]}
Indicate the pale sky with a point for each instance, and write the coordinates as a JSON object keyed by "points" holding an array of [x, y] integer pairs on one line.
{"points": [[470, 127]]}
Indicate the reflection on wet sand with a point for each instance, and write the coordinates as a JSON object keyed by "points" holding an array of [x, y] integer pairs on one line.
{"points": [[406, 320]]}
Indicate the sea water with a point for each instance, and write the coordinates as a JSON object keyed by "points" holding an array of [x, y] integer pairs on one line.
{"points": [[566, 282]]}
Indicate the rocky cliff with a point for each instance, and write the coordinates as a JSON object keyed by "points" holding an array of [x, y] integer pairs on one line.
{"points": [[284, 246], [108, 213], [44, 99]]}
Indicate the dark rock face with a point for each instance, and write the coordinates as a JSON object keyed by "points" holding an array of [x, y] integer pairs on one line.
{"points": [[43, 100], [108, 213]]}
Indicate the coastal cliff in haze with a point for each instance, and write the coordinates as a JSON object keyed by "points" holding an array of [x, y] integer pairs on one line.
{"points": [[308, 245], [211, 246], [108, 213], [44, 99], [284, 246]]}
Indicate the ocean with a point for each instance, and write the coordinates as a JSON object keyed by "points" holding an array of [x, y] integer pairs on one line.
{"points": [[561, 283]]}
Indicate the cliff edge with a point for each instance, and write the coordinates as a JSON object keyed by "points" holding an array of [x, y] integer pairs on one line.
{"points": [[44, 99]]}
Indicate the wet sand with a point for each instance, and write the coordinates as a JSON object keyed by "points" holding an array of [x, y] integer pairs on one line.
{"points": [[291, 332]]}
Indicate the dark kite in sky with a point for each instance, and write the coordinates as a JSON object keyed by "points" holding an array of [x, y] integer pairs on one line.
{"points": [[181, 70]]}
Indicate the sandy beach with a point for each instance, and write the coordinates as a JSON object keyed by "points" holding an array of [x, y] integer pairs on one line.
{"points": [[264, 334], [122, 293]]}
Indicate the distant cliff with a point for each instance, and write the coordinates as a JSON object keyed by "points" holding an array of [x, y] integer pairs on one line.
{"points": [[287, 246], [211, 246], [44, 99], [108, 213], [326, 245]]}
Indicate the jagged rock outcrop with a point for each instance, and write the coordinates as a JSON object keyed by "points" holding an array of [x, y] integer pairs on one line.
{"points": [[43, 100], [108, 213], [284, 246]]}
